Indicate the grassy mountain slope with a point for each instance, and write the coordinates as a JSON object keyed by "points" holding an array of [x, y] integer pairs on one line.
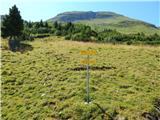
{"points": [[80, 15], [107, 20], [45, 83], [122, 25]]}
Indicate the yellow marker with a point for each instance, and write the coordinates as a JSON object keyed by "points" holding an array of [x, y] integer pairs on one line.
{"points": [[88, 52], [88, 62]]}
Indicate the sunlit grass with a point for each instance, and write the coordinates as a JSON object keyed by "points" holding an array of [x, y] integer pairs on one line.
{"points": [[40, 84]]}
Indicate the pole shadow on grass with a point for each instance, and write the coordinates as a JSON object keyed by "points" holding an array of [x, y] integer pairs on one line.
{"points": [[154, 114], [105, 114]]}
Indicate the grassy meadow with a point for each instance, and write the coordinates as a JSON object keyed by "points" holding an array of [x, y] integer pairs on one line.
{"points": [[45, 81], [122, 25]]}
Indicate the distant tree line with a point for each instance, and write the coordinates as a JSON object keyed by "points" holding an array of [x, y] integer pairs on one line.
{"points": [[37, 29], [74, 31], [81, 32], [84, 33], [112, 36]]}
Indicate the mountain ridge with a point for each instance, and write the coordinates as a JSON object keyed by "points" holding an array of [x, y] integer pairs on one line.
{"points": [[82, 15], [106, 20]]}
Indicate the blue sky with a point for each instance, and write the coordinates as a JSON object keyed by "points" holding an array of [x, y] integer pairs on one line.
{"points": [[36, 10]]}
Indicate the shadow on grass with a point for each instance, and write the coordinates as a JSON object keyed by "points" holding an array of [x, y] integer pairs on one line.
{"points": [[92, 68], [22, 47], [154, 114], [105, 115]]}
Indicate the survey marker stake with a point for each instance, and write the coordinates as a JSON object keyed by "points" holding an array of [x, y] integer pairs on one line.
{"points": [[87, 62], [87, 81]]}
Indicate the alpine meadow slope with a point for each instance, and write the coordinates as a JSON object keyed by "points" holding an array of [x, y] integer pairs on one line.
{"points": [[107, 20], [47, 82]]}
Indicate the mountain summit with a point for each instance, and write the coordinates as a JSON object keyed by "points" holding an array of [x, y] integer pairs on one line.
{"points": [[107, 20], [81, 15]]}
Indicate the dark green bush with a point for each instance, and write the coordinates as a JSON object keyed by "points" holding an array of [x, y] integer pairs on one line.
{"points": [[81, 37], [68, 37], [43, 30], [129, 42], [58, 33]]}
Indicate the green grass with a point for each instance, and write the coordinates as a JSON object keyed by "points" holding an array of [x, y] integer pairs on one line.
{"points": [[121, 24], [40, 84]]}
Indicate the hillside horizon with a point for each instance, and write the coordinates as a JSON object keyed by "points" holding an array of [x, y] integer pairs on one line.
{"points": [[85, 11], [100, 11], [101, 20]]}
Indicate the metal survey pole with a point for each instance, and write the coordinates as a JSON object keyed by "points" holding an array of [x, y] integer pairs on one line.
{"points": [[87, 80], [87, 62]]}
